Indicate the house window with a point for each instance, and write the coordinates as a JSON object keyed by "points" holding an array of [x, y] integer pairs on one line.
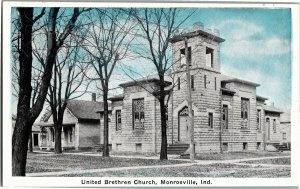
{"points": [[52, 136], [71, 134], [183, 58], [210, 120], [225, 116], [205, 81], [245, 112], [209, 57], [245, 146], [138, 113], [274, 125], [283, 136], [225, 147], [258, 119], [178, 81], [118, 120], [192, 82]]}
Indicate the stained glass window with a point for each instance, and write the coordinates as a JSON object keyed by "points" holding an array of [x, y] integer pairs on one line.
{"points": [[244, 112], [259, 119], [138, 113]]}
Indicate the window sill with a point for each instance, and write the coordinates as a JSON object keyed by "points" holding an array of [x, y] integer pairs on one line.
{"points": [[245, 130], [210, 129]]}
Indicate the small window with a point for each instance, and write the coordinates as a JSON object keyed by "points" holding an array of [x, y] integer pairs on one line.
{"points": [[210, 120], [183, 58], [209, 57], [118, 147], [245, 146], [192, 82], [138, 113], [215, 83], [138, 147], [205, 81], [225, 116], [258, 146], [284, 136], [274, 125], [178, 83], [118, 120], [225, 147]]}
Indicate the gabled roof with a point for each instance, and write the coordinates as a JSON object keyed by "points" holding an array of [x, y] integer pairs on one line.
{"points": [[84, 109]]}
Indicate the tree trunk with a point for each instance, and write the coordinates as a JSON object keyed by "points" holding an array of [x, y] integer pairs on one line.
{"points": [[105, 125], [57, 145], [163, 149], [30, 143], [24, 122]]}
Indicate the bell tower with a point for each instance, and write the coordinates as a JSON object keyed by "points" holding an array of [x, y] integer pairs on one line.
{"points": [[203, 49]]}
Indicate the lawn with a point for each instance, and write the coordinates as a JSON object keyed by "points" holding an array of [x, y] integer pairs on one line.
{"points": [[236, 155], [213, 170], [64, 162], [278, 161]]}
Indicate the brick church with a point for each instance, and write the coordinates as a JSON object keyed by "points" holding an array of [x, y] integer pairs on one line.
{"points": [[228, 113]]}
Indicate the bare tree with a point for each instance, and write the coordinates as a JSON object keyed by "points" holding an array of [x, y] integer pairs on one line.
{"points": [[26, 113], [69, 76], [158, 26], [106, 41]]}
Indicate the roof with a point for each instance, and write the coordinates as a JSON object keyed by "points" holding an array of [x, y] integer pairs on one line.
{"points": [[147, 79], [285, 117], [272, 109], [116, 97], [260, 98], [241, 81], [195, 33], [84, 109], [227, 91]]}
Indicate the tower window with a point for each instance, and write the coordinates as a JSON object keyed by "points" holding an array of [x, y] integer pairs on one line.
{"points": [[205, 81], [244, 112], [183, 58], [274, 125], [192, 83], [225, 116], [210, 120], [259, 119], [209, 57], [178, 83]]}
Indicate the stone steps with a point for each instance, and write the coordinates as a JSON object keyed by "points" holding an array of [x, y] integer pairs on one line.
{"points": [[177, 148]]}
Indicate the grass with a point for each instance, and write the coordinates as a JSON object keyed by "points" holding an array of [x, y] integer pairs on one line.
{"points": [[213, 170], [236, 155], [64, 162], [278, 161]]}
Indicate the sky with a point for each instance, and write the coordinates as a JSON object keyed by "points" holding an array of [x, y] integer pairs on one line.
{"points": [[257, 48]]}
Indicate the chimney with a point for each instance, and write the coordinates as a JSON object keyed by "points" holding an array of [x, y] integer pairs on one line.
{"points": [[94, 97]]}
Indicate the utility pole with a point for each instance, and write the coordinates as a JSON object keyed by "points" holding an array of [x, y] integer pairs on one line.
{"points": [[189, 99]]}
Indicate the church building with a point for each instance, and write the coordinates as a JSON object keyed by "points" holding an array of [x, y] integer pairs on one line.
{"points": [[228, 113]]}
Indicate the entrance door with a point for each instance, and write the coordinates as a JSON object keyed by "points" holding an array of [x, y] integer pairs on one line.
{"points": [[183, 126], [35, 140]]}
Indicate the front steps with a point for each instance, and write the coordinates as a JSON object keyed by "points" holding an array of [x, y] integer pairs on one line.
{"points": [[177, 148]]}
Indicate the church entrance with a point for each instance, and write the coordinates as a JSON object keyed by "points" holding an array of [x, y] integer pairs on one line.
{"points": [[183, 125]]}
